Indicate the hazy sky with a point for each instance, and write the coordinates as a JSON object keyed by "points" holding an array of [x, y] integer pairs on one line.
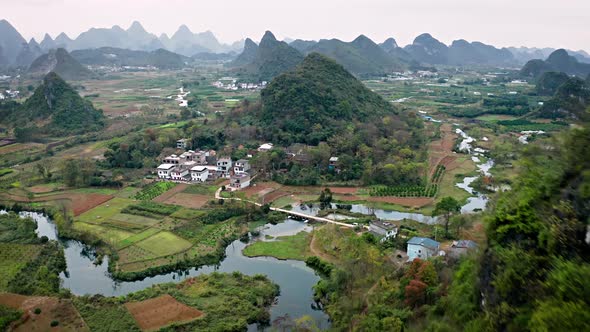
{"points": [[541, 23]]}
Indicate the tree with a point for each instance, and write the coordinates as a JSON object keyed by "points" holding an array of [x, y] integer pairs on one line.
{"points": [[446, 208], [70, 171], [185, 114], [44, 169], [325, 198]]}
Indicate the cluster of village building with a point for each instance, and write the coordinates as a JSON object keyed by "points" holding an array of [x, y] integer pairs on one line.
{"points": [[9, 94], [230, 83], [201, 166]]}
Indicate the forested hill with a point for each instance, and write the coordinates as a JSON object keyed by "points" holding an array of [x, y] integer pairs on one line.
{"points": [[318, 99], [534, 273], [62, 63], [55, 108]]}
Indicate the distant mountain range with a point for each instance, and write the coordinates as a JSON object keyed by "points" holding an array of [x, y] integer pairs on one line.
{"points": [[360, 56], [111, 56], [558, 61]]}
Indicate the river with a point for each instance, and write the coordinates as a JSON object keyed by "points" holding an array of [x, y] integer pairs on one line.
{"points": [[294, 278]]}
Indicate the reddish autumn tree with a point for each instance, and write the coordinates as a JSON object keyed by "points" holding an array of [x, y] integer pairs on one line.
{"points": [[415, 293]]}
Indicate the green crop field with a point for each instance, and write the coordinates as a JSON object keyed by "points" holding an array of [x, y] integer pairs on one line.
{"points": [[187, 214], [107, 234], [13, 257], [207, 235], [137, 237], [105, 211], [283, 247], [133, 219], [154, 190], [201, 189], [164, 243]]}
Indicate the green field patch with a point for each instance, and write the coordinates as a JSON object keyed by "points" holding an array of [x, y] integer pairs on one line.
{"points": [[154, 190], [164, 243], [127, 192], [137, 237], [200, 189], [104, 191], [151, 209], [105, 211], [207, 235], [187, 214], [13, 257], [133, 219], [5, 171], [283, 247], [108, 234]]}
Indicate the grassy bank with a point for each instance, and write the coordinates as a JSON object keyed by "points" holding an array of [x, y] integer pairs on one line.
{"points": [[283, 247]]}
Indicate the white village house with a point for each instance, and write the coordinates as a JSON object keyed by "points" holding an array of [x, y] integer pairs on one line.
{"points": [[241, 166], [383, 228], [180, 173], [164, 171], [265, 147], [239, 181], [224, 167], [422, 247], [199, 173]]}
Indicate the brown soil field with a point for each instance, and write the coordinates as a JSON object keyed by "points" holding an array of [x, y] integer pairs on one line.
{"points": [[159, 312], [41, 189], [78, 202], [261, 187], [18, 147], [52, 308], [165, 196], [191, 201], [404, 201], [344, 190]]}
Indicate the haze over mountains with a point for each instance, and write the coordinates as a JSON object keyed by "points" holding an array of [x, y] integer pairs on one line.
{"points": [[362, 56]]}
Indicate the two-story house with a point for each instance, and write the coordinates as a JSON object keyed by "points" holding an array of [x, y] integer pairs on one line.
{"points": [[224, 165], [422, 247], [164, 171], [240, 181], [384, 229], [241, 166], [199, 173]]}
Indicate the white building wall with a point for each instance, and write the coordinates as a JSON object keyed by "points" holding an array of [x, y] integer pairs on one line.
{"points": [[418, 251]]}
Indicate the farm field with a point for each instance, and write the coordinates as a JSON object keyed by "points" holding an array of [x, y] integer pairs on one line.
{"points": [[193, 201], [210, 295], [51, 309], [147, 234], [157, 313]]}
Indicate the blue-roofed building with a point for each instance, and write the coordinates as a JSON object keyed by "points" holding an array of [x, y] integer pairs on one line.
{"points": [[422, 247]]}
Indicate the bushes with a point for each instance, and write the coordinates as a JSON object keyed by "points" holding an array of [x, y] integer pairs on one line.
{"points": [[324, 268], [151, 209], [154, 190], [7, 316]]}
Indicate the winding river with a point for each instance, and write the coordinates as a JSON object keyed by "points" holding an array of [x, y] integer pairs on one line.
{"points": [[294, 277]]}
